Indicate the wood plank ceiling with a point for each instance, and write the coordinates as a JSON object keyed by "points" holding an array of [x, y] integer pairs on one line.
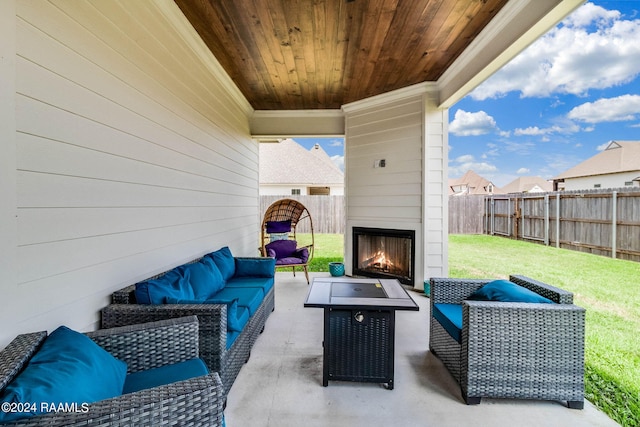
{"points": [[321, 54]]}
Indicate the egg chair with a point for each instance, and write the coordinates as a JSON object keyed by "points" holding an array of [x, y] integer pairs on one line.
{"points": [[279, 236]]}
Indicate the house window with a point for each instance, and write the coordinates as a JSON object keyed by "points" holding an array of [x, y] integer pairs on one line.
{"points": [[295, 191], [596, 185], [628, 183]]}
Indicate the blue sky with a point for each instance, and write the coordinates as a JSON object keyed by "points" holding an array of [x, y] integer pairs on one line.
{"points": [[553, 106]]}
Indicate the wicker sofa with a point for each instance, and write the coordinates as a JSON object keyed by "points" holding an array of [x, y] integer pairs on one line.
{"points": [[193, 402], [222, 350], [512, 349]]}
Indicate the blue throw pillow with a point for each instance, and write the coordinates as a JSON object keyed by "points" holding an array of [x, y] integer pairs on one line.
{"points": [[225, 262], [255, 267], [506, 291], [204, 277], [173, 284], [69, 368]]}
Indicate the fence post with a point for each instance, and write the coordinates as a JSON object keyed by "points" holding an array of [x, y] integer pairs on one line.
{"points": [[546, 219], [493, 217], [557, 220], [614, 223]]}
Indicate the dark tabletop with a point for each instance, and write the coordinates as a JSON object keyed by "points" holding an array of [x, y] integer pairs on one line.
{"points": [[346, 292]]}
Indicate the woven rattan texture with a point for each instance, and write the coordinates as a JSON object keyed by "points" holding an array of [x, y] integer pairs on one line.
{"points": [[294, 211], [194, 402], [360, 351], [212, 319], [513, 350], [16, 355], [285, 210]]}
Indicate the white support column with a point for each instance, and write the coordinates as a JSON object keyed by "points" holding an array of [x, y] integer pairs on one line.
{"points": [[8, 211], [435, 193]]}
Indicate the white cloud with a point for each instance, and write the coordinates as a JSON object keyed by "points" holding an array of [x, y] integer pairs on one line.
{"points": [[564, 128], [532, 130], [601, 147], [462, 164], [472, 124], [336, 143], [621, 108], [338, 161], [523, 171], [591, 49]]}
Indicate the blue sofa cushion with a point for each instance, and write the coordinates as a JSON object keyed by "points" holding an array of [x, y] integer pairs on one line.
{"points": [[173, 284], [236, 316], [69, 368], [255, 267], [450, 317], [251, 298], [264, 283], [506, 291], [204, 277], [164, 375], [225, 262]]}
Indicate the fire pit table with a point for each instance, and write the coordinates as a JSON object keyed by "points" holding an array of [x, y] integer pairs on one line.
{"points": [[359, 327]]}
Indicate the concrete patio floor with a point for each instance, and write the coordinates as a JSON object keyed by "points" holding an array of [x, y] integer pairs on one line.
{"points": [[281, 385]]}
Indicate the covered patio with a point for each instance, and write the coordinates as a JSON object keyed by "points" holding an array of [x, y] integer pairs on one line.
{"points": [[130, 134], [281, 384]]}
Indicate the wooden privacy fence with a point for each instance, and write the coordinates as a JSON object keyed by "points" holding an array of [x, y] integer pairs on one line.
{"points": [[327, 212], [466, 214], [600, 222]]}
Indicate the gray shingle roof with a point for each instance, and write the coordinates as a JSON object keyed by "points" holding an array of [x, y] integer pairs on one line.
{"points": [[288, 162], [619, 156], [475, 184], [525, 184]]}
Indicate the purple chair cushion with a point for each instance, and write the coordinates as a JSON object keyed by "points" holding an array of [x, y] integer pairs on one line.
{"points": [[278, 226], [289, 260], [303, 254], [281, 248]]}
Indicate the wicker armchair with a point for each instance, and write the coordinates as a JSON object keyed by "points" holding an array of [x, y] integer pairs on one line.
{"points": [[194, 402], [512, 350]]}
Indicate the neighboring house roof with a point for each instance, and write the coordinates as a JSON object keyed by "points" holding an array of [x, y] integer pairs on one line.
{"points": [[527, 184], [471, 183], [287, 162], [320, 154], [619, 156]]}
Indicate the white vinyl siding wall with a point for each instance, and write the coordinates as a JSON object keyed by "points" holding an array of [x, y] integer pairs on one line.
{"points": [[409, 192], [614, 180], [133, 156]]}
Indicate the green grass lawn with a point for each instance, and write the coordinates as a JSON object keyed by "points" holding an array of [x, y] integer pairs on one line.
{"points": [[608, 289], [328, 248]]}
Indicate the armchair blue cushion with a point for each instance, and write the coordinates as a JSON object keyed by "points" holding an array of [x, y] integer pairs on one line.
{"points": [[69, 368], [163, 375]]}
